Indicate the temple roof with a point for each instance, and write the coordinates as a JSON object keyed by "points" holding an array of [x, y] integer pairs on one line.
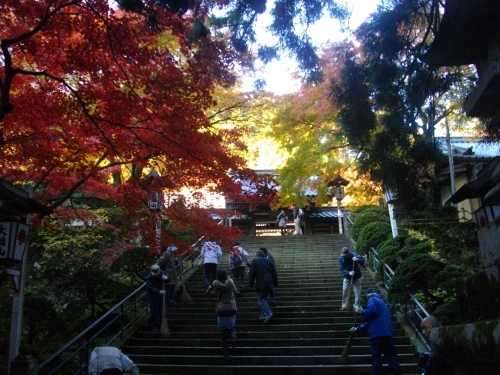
{"points": [[465, 31], [479, 187]]}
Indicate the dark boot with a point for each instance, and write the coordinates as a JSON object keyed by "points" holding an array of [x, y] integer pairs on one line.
{"points": [[233, 338], [226, 335], [225, 348]]}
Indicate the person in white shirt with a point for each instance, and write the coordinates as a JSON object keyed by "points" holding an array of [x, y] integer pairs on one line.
{"points": [[296, 219], [108, 360], [210, 252]]}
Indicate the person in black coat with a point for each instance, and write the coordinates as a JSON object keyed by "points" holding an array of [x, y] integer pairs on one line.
{"points": [[264, 276], [168, 264], [154, 283], [272, 294], [429, 362]]}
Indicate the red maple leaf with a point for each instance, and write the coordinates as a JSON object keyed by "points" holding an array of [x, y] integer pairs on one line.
{"points": [[93, 98]]}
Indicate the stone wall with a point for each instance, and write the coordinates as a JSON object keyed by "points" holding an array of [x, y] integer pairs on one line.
{"points": [[478, 296], [489, 243], [474, 348]]}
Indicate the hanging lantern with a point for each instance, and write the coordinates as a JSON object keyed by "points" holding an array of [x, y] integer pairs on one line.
{"points": [[13, 240]]}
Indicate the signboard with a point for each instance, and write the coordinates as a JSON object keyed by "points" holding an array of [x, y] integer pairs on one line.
{"points": [[339, 192], [154, 203], [13, 240]]}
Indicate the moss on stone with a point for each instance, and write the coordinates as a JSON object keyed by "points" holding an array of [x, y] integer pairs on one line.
{"points": [[469, 342], [478, 296]]}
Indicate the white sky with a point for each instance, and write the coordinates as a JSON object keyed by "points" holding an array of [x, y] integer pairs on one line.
{"points": [[278, 74]]}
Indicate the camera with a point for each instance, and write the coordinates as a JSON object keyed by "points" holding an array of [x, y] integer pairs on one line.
{"points": [[422, 357]]}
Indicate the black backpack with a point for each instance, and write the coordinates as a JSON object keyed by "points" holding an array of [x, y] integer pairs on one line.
{"points": [[237, 257]]}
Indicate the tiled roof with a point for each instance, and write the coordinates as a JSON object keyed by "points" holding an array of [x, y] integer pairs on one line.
{"points": [[323, 215], [477, 188], [469, 147]]}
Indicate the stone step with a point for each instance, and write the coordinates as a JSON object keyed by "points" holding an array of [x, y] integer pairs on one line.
{"points": [[295, 312], [307, 332], [269, 339], [210, 309], [228, 369], [278, 325], [270, 359], [214, 349]]}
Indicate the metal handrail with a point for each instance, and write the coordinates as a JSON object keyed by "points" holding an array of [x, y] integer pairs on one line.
{"points": [[128, 312], [79, 348], [414, 310], [347, 223], [416, 313]]}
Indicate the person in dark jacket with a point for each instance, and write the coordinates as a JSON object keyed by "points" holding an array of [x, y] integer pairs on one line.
{"points": [[263, 275], [272, 293], [350, 263], [168, 264], [238, 269], [156, 291], [380, 331], [430, 363]]}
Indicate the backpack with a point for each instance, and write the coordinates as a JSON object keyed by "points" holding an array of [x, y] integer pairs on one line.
{"points": [[237, 258], [301, 212]]}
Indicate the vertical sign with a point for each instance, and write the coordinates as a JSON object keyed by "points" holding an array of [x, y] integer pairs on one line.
{"points": [[13, 240]]}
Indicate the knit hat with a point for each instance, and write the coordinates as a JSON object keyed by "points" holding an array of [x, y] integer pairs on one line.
{"points": [[293, 204], [370, 291], [344, 251], [171, 249], [155, 270], [260, 253]]}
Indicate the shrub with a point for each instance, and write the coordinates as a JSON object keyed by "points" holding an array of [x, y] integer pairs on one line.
{"points": [[366, 216], [372, 235], [448, 313], [414, 275]]}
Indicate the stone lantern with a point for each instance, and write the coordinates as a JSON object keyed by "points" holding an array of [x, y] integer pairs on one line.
{"points": [[155, 205], [16, 205]]}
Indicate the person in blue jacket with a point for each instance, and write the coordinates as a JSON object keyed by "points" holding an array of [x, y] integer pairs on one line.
{"points": [[379, 327], [349, 264]]}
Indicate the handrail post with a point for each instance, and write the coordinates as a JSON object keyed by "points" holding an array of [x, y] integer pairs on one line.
{"points": [[122, 321]]}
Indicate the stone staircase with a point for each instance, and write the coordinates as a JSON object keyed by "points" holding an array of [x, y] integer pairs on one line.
{"points": [[307, 333]]}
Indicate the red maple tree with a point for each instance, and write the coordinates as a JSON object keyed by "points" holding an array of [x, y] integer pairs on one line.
{"points": [[93, 98]]}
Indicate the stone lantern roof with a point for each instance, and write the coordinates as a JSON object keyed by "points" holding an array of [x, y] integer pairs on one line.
{"points": [[15, 201]]}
